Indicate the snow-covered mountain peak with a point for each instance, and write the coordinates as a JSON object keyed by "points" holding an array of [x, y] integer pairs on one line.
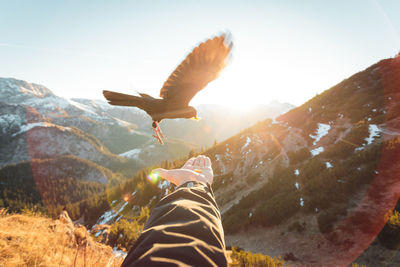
{"points": [[13, 89]]}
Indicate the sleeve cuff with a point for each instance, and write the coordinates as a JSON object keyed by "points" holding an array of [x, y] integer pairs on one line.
{"points": [[191, 184]]}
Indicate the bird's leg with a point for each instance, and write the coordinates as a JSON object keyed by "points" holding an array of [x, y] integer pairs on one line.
{"points": [[159, 129], [158, 135]]}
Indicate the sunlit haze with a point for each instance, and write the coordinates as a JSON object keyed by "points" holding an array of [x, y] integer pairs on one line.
{"points": [[283, 50]]}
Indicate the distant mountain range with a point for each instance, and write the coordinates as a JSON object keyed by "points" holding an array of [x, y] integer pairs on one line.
{"points": [[45, 138], [35, 123]]}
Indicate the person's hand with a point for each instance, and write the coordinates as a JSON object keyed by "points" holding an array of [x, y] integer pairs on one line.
{"points": [[195, 169]]}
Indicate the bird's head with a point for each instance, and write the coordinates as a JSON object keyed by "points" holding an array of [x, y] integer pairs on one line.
{"points": [[191, 113]]}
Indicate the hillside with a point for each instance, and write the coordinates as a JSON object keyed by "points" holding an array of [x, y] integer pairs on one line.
{"points": [[316, 185], [322, 178], [51, 182], [32, 240]]}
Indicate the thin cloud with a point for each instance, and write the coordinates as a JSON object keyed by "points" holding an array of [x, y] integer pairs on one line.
{"points": [[59, 51]]}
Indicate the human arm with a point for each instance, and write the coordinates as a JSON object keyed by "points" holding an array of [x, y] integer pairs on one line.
{"points": [[184, 228]]}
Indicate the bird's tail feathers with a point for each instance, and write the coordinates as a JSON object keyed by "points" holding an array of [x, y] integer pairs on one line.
{"points": [[119, 99]]}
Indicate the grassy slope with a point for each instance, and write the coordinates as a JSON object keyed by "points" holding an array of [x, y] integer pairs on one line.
{"points": [[32, 240]]}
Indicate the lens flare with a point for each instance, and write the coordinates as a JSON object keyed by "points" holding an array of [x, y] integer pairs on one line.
{"points": [[154, 177]]}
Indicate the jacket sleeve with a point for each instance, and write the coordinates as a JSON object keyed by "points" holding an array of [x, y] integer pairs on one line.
{"points": [[184, 229]]}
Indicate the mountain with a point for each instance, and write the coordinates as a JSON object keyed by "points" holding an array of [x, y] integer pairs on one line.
{"points": [[35, 123], [315, 186], [320, 182], [33, 111], [66, 150]]}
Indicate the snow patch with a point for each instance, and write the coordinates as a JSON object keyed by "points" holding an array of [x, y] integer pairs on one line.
{"points": [[9, 120], [29, 126], [119, 253], [321, 131], [296, 184], [107, 217], [317, 151], [98, 233], [248, 140], [80, 106], [373, 132], [122, 207], [122, 123], [328, 165], [132, 154]]}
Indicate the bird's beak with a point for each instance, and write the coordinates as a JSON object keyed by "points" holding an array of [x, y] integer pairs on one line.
{"points": [[195, 118]]}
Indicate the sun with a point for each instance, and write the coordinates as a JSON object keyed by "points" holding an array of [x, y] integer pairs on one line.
{"points": [[233, 89]]}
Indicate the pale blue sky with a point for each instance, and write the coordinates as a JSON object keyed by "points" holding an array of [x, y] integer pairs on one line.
{"points": [[285, 50]]}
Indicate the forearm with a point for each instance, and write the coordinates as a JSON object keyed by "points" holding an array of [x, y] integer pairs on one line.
{"points": [[184, 228]]}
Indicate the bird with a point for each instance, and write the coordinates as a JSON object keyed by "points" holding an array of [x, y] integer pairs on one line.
{"points": [[200, 67]]}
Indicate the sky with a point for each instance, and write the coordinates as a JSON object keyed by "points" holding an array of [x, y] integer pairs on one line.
{"points": [[283, 50]]}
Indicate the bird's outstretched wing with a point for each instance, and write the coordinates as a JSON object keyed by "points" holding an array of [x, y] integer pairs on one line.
{"points": [[199, 68]]}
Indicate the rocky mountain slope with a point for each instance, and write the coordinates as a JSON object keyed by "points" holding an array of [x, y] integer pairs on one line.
{"points": [[320, 182], [37, 123], [55, 145]]}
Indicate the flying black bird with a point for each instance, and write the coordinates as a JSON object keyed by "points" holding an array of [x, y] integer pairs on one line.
{"points": [[199, 68]]}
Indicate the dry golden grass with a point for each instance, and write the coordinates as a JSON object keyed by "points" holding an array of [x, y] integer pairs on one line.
{"points": [[32, 240]]}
